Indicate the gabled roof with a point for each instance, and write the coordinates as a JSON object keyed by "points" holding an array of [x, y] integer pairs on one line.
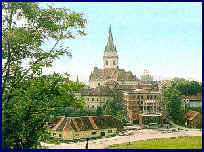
{"points": [[59, 123], [86, 123], [190, 115]]}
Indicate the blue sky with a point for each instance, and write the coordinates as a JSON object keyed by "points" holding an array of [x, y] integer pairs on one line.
{"points": [[165, 38]]}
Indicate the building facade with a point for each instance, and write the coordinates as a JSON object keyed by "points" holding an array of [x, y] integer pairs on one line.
{"points": [[143, 107], [192, 101], [96, 97]]}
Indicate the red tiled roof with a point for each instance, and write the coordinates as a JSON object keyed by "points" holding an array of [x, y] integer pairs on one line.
{"points": [[59, 123], [92, 122], [67, 125], [87, 123], [75, 124], [190, 115]]}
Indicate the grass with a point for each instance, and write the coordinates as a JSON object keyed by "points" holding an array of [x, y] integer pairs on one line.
{"points": [[188, 142]]}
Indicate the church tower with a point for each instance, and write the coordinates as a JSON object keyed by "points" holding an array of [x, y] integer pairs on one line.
{"points": [[110, 58]]}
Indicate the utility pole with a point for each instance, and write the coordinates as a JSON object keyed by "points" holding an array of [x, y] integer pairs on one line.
{"points": [[87, 144]]}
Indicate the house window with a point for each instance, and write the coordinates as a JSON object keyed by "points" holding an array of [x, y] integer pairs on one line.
{"points": [[92, 99], [88, 99], [113, 62], [141, 97], [54, 134], [93, 133], [155, 97], [60, 135], [138, 97], [147, 97], [109, 131], [98, 84], [151, 97], [106, 62], [92, 106]]}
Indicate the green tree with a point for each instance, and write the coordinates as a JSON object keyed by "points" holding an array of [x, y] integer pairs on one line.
{"points": [[27, 96], [99, 111], [187, 88], [114, 108], [173, 96], [173, 101]]}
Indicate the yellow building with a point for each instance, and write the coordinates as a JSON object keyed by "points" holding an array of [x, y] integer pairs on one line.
{"points": [[85, 127], [96, 97]]}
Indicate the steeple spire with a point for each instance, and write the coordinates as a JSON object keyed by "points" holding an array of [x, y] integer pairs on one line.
{"points": [[110, 58], [110, 45], [77, 80], [110, 38]]}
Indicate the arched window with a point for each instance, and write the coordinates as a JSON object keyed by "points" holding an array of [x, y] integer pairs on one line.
{"points": [[106, 62]]}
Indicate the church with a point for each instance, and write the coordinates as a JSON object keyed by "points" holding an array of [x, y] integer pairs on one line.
{"points": [[111, 74], [140, 98]]}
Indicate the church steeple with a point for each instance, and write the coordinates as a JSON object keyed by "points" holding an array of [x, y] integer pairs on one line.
{"points": [[77, 80], [110, 58], [110, 45]]}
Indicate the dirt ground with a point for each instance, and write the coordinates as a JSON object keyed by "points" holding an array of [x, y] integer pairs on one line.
{"points": [[137, 135]]}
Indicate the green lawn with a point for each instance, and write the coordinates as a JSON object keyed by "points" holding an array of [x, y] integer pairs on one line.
{"points": [[192, 142]]}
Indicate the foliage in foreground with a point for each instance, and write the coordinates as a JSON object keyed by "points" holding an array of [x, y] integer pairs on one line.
{"points": [[27, 96], [188, 142]]}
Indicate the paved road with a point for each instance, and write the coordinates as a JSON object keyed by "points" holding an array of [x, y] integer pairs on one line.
{"points": [[138, 135]]}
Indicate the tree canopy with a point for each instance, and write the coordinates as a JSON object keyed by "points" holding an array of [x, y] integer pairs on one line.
{"points": [[173, 96], [114, 108], [186, 87], [28, 95]]}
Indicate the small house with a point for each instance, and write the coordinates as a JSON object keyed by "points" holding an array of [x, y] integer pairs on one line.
{"points": [[71, 128], [193, 119]]}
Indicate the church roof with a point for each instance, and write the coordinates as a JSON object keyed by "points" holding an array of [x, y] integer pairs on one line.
{"points": [[113, 74], [98, 91]]}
